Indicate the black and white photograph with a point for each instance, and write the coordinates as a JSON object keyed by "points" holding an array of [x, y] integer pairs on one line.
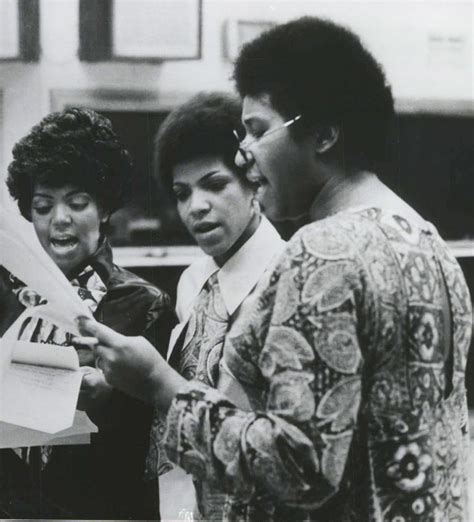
{"points": [[237, 260]]}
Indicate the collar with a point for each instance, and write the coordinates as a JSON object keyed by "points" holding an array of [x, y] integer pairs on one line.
{"points": [[238, 276], [343, 192], [241, 273], [101, 261], [358, 192]]}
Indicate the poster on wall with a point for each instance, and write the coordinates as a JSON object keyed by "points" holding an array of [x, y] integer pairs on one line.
{"points": [[156, 29], [19, 30], [9, 29], [140, 30]]}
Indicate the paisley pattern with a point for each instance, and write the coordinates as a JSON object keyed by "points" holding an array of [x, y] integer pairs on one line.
{"points": [[356, 352], [202, 347]]}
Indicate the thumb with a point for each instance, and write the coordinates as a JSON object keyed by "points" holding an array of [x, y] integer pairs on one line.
{"points": [[105, 335]]}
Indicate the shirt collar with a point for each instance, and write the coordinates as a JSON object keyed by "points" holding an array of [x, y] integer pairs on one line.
{"points": [[243, 270], [101, 261], [238, 275]]}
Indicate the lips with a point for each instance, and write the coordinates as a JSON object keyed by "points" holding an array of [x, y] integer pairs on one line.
{"points": [[256, 177], [204, 227], [63, 243]]}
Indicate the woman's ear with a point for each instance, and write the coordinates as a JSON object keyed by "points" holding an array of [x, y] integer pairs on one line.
{"points": [[326, 138]]}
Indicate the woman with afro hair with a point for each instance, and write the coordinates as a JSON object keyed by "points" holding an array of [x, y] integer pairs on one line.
{"points": [[68, 176]]}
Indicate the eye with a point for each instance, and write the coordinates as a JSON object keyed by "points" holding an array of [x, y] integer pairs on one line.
{"points": [[79, 202], [215, 185], [42, 209], [258, 134], [256, 130], [181, 194]]}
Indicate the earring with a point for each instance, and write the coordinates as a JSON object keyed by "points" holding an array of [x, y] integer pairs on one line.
{"points": [[256, 208]]}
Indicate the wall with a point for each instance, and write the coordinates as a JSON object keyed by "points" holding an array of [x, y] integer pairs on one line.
{"points": [[426, 48]]}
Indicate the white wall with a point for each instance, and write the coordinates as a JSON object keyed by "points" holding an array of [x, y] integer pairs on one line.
{"points": [[425, 46]]}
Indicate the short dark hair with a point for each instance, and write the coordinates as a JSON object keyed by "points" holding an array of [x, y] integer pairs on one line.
{"points": [[203, 126], [316, 68], [75, 146]]}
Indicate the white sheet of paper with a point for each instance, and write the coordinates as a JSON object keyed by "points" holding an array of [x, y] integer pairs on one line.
{"points": [[13, 436], [49, 355], [40, 390], [22, 254], [7, 343]]}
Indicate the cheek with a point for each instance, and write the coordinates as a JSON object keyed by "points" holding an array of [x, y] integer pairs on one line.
{"points": [[41, 227], [183, 213], [238, 209], [89, 226]]}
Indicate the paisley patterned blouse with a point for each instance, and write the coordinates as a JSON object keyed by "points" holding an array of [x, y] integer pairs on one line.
{"points": [[353, 360]]}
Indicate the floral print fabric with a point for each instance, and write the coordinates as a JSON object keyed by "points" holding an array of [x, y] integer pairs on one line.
{"points": [[353, 360], [90, 288]]}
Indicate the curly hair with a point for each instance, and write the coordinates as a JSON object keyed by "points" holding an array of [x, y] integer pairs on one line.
{"points": [[203, 126], [76, 146], [316, 68]]}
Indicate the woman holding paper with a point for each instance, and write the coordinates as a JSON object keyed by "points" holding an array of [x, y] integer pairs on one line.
{"points": [[68, 175], [354, 356]]}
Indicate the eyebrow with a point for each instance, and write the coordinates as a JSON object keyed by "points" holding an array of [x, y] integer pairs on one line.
{"points": [[204, 178], [49, 196]]}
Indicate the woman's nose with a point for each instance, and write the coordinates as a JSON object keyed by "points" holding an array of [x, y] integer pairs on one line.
{"points": [[243, 158], [199, 203], [61, 215]]}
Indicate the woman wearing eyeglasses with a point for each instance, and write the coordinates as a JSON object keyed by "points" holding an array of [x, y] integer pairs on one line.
{"points": [[353, 358]]}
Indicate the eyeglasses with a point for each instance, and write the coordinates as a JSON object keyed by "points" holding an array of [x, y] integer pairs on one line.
{"points": [[245, 153]]}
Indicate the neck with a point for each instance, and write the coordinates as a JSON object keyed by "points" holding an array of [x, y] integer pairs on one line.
{"points": [[246, 234], [360, 189]]}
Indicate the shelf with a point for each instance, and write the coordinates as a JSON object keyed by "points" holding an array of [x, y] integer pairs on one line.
{"points": [[156, 256], [462, 247], [184, 255]]}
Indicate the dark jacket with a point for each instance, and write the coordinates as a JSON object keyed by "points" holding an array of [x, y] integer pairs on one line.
{"points": [[103, 480]]}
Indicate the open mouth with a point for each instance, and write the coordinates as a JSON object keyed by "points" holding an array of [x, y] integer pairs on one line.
{"points": [[255, 177], [63, 244]]}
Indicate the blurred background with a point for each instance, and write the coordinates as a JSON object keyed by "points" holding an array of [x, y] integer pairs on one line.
{"points": [[134, 60]]}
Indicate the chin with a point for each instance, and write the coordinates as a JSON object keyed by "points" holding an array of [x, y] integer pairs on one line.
{"points": [[65, 265], [212, 250], [65, 268]]}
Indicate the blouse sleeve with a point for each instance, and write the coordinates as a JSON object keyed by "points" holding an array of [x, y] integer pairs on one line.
{"points": [[300, 347]]}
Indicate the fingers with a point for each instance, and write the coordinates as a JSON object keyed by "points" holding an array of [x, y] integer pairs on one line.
{"points": [[105, 336], [89, 377], [86, 370], [85, 341]]}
